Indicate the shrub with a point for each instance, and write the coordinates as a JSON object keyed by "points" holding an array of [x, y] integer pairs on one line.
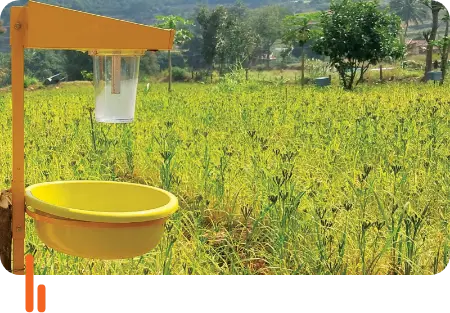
{"points": [[179, 74], [261, 67], [29, 81], [87, 75]]}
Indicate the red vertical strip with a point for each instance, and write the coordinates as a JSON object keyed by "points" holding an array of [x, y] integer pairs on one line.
{"points": [[29, 285], [41, 300]]}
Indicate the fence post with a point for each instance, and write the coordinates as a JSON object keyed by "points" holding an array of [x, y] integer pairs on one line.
{"points": [[381, 72]]}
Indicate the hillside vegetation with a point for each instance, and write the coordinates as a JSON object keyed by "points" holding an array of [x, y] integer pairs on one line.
{"points": [[144, 11]]}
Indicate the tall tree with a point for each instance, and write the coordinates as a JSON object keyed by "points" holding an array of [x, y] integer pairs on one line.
{"points": [[430, 36], [210, 22], [410, 11], [444, 45], [182, 35], [266, 23], [236, 39], [357, 34], [299, 29], [192, 53]]}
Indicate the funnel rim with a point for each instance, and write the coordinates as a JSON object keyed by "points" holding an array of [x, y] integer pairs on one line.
{"points": [[125, 53]]}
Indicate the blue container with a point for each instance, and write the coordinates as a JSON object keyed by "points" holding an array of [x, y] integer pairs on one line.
{"points": [[323, 81], [436, 76]]}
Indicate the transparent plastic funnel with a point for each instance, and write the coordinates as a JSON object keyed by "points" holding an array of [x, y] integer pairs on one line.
{"points": [[116, 76]]}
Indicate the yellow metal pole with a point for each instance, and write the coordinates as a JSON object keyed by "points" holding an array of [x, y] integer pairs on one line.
{"points": [[18, 29]]}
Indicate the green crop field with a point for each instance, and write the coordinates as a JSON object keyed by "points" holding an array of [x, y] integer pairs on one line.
{"points": [[271, 179]]}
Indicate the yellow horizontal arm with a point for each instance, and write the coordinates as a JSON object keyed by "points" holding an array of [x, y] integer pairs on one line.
{"points": [[52, 27]]}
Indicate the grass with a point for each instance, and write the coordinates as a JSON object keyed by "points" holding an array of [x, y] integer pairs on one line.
{"points": [[421, 58], [372, 76], [271, 179]]}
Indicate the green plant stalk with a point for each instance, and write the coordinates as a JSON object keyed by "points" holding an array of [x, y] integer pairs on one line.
{"points": [[92, 131], [446, 250], [320, 248], [129, 150], [220, 183], [362, 249], [409, 247], [166, 174], [168, 256], [361, 238], [335, 268], [206, 170]]}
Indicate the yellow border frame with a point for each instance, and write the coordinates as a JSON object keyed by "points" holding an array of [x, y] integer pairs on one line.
{"points": [[43, 26]]}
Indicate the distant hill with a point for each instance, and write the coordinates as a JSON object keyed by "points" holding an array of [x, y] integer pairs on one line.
{"points": [[144, 11]]}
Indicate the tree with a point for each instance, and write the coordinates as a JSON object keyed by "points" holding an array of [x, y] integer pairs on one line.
{"points": [[236, 39], [149, 64], [444, 45], [182, 35], [409, 11], [76, 62], [210, 23], [266, 24], [299, 29], [193, 53], [5, 69], [357, 35], [2, 29], [430, 36], [227, 36]]}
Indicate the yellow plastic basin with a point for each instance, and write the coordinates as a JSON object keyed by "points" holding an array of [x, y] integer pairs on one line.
{"points": [[99, 220]]}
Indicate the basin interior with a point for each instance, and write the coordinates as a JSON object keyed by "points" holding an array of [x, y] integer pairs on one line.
{"points": [[114, 197]]}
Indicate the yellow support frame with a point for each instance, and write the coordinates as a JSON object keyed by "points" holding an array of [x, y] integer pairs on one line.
{"points": [[43, 26]]}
